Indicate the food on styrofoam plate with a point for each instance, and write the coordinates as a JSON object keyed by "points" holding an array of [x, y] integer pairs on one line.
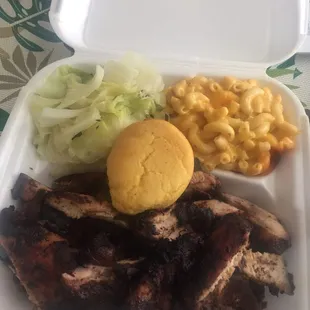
{"points": [[231, 124], [149, 167], [149, 232], [78, 115], [70, 249]]}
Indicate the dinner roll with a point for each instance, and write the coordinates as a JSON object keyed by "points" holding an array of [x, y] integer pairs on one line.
{"points": [[149, 167]]}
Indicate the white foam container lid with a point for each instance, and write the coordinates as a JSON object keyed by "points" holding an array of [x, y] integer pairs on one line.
{"points": [[182, 37]]}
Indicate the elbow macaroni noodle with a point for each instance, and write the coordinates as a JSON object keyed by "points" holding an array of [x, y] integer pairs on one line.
{"points": [[233, 124]]}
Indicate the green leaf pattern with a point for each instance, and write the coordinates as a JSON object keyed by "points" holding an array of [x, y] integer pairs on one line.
{"points": [[27, 44], [20, 69], [18, 59], [10, 97], [286, 68], [29, 19], [3, 118], [288, 63], [31, 62]]}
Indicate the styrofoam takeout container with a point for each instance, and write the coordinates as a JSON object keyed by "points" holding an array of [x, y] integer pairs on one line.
{"points": [[185, 38]]}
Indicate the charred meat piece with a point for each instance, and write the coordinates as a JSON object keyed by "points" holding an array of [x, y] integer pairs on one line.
{"points": [[92, 281], [57, 222], [152, 290], [239, 295], [76, 303], [218, 208], [90, 183], [30, 210], [267, 269], [201, 187], [259, 292], [128, 268], [31, 194], [101, 283], [200, 215], [27, 188], [152, 224], [179, 219], [100, 242], [222, 253], [118, 243], [100, 251], [194, 217], [268, 234], [183, 251], [78, 232], [157, 224], [39, 257], [79, 205]]}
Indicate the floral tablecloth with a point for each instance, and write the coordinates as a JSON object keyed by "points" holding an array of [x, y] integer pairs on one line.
{"points": [[28, 43]]}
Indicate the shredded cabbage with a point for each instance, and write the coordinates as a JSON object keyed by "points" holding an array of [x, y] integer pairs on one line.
{"points": [[78, 115]]}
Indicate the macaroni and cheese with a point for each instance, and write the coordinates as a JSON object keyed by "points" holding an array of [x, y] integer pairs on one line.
{"points": [[231, 124]]}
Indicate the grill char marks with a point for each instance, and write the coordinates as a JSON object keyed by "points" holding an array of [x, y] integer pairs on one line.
{"points": [[91, 281], [193, 255], [31, 194], [100, 283], [154, 286], [26, 188], [45, 256], [90, 183], [157, 224], [79, 205], [181, 218], [201, 187], [200, 215], [152, 291], [239, 295], [268, 234], [267, 269], [223, 252]]}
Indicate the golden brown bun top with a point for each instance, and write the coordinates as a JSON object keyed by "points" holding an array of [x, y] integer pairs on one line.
{"points": [[149, 167]]}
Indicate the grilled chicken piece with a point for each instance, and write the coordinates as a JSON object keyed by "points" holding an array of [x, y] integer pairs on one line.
{"points": [[31, 194], [217, 207], [77, 206], [157, 224], [89, 281], [153, 290], [102, 283], [180, 218], [268, 234], [90, 183], [202, 186], [79, 232], [154, 224], [267, 269], [72, 204], [100, 251], [223, 252], [200, 215], [38, 256], [183, 252], [100, 242], [27, 188], [128, 268], [239, 295]]}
